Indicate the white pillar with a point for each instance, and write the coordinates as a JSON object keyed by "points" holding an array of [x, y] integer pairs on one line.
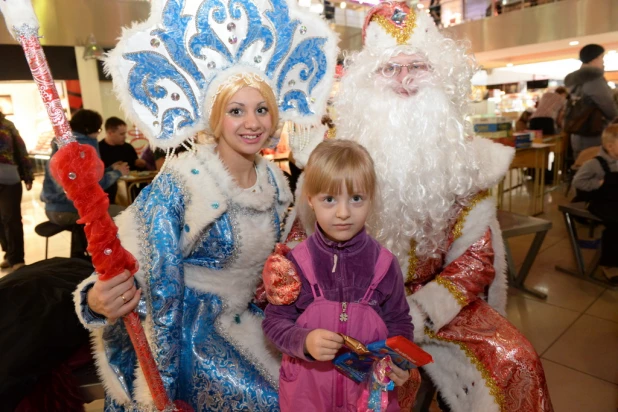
{"points": [[88, 81]]}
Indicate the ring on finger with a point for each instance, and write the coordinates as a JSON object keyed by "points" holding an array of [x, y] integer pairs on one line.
{"points": [[124, 300]]}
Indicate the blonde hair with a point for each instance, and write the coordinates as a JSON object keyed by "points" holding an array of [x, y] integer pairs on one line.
{"points": [[227, 90], [610, 134], [334, 163]]}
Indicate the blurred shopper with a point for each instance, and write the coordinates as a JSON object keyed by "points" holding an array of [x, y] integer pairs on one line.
{"points": [[548, 115], [86, 125], [14, 167], [435, 10], [523, 121], [591, 106], [598, 177], [115, 150], [149, 158]]}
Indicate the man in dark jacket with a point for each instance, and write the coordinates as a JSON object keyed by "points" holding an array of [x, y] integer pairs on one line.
{"points": [[15, 166], [589, 81], [114, 149]]}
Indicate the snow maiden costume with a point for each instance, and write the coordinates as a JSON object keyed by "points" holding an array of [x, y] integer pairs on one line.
{"points": [[200, 239], [434, 211]]}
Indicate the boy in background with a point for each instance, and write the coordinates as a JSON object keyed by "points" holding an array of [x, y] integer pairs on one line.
{"points": [[599, 177]]}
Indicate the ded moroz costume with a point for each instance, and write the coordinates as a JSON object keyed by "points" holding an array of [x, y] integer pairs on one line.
{"points": [[434, 211]]}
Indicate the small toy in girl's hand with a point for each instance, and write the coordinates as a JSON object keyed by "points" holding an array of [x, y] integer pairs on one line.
{"points": [[374, 391], [405, 354], [354, 345], [281, 282]]}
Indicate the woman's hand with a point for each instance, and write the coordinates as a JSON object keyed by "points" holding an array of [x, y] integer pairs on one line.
{"points": [[115, 297], [323, 344], [398, 375]]}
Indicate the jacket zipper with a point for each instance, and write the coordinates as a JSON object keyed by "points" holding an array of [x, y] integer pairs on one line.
{"points": [[341, 328], [339, 380]]}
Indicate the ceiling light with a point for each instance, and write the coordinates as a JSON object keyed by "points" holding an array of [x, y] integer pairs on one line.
{"points": [[573, 43], [420, 5], [343, 5], [509, 65], [92, 50]]}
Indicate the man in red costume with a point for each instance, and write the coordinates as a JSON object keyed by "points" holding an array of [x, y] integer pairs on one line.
{"points": [[404, 97]]}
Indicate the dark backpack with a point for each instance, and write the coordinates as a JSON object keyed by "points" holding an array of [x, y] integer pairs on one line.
{"points": [[582, 116], [582, 195]]}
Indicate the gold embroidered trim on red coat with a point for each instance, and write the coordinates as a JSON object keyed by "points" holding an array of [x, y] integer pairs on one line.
{"points": [[494, 389], [461, 219], [412, 263], [451, 287]]}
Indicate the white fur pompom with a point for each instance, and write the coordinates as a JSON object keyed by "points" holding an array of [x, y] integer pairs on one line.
{"points": [[19, 17]]}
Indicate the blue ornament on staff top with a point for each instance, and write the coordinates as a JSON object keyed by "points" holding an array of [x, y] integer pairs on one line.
{"points": [[167, 70]]}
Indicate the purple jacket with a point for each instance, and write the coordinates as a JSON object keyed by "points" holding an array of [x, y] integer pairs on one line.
{"points": [[349, 282]]}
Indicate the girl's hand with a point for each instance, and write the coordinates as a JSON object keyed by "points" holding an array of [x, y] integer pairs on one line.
{"points": [[323, 344], [398, 375], [115, 297]]}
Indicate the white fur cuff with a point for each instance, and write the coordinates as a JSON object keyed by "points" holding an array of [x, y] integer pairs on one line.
{"points": [[438, 303], [418, 320], [81, 306]]}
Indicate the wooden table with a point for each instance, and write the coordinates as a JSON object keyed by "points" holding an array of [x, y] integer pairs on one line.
{"points": [[512, 225], [126, 184], [536, 158]]}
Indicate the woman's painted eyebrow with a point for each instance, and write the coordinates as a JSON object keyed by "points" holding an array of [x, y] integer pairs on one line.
{"points": [[242, 104]]}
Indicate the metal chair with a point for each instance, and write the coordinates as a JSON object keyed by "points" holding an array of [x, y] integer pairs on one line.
{"points": [[49, 229]]}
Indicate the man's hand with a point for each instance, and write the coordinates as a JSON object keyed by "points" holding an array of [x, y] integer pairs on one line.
{"points": [[122, 167], [323, 344], [115, 297], [398, 375]]}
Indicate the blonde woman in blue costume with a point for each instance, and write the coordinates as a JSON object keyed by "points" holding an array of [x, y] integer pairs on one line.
{"points": [[203, 229]]}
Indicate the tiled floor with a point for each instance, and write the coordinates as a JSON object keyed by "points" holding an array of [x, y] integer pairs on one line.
{"points": [[575, 330]]}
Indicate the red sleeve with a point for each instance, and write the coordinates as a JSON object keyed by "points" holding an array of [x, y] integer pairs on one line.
{"points": [[471, 274]]}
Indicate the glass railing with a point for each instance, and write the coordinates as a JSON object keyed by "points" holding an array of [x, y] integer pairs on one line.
{"points": [[445, 12], [451, 12]]}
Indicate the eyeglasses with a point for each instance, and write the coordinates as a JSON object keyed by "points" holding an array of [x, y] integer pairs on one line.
{"points": [[393, 69]]}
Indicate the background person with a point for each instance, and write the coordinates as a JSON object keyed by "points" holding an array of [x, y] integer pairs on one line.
{"points": [[589, 82], [115, 150], [548, 114], [86, 125], [598, 177], [15, 167]]}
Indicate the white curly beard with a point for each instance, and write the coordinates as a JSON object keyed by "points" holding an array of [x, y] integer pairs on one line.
{"points": [[423, 160]]}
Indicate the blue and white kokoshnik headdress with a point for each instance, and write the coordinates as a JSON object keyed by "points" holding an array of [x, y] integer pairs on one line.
{"points": [[168, 70]]}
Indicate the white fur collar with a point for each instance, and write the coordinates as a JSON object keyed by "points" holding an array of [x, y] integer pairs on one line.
{"points": [[494, 160], [260, 200]]}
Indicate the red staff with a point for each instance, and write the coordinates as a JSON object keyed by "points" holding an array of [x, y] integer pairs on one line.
{"points": [[78, 169]]}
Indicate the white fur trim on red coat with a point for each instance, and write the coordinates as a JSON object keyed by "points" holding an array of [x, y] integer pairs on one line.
{"points": [[418, 321], [438, 303], [480, 218], [454, 374], [494, 161]]}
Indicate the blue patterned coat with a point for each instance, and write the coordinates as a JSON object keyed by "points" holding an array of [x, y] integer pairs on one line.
{"points": [[201, 242]]}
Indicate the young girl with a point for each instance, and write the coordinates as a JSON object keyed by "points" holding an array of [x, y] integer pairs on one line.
{"points": [[350, 285]]}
